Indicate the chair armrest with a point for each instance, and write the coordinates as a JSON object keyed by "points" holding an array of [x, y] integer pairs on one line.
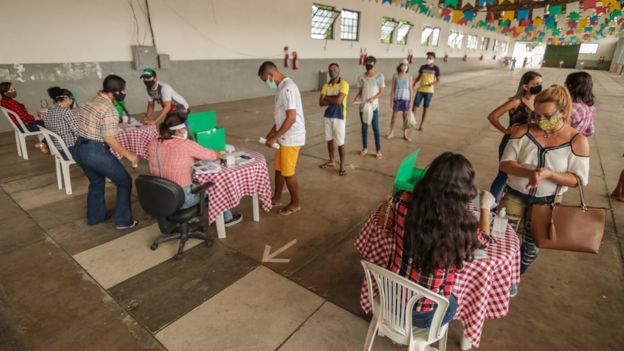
{"points": [[202, 188]]}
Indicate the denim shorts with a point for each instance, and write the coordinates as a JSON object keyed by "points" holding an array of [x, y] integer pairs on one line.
{"points": [[424, 97]]}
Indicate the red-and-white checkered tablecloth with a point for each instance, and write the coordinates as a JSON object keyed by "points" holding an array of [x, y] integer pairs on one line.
{"points": [[136, 139], [481, 287], [232, 183]]}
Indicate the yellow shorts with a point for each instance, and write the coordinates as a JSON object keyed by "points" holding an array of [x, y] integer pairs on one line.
{"points": [[286, 160]]}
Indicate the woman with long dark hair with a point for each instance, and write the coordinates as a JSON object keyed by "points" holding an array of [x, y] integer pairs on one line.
{"points": [[580, 86], [435, 232], [519, 107]]}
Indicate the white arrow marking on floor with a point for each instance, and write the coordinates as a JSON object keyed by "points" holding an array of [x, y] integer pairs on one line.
{"points": [[269, 257]]}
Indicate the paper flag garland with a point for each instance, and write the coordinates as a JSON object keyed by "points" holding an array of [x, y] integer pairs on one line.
{"points": [[523, 14], [555, 10], [508, 15], [589, 4]]}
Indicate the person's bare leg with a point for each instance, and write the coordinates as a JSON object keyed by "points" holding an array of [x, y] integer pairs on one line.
{"points": [[293, 189], [414, 110], [331, 151], [279, 187], [618, 193], [341, 154], [405, 129], [392, 123], [424, 117]]}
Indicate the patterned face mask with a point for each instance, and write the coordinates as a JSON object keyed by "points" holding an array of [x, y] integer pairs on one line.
{"points": [[549, 124]]}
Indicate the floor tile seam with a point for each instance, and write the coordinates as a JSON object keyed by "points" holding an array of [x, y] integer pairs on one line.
{"points": [[301, 325], [81, 270]]}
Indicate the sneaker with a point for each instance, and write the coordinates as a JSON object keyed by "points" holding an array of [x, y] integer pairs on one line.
{"points": [[129, 226], [237, 218], [513, 290]]}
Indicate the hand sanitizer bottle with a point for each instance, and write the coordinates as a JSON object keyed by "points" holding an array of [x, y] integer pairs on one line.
{"points": [[500, 223]]}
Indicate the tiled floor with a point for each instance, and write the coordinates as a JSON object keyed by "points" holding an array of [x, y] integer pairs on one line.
{"points": [[67, 286]]}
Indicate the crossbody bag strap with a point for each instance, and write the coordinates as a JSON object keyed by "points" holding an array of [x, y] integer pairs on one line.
{"points": [[158, 158]]}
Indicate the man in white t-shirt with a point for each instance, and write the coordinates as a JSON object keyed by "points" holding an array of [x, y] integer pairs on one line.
{"points": [[161, 92], [288, 131]]}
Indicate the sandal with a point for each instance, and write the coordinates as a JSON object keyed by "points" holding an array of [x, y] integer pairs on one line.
{"points": [[342, 173], [328, 164], [288, 211], [363, 152], [378, 156]]}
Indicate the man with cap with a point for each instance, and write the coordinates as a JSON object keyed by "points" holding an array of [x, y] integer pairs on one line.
{"points": [[169, 99]]}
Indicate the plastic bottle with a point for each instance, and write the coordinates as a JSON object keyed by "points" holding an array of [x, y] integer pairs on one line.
{"points": [[499, 227], [263, 141]]}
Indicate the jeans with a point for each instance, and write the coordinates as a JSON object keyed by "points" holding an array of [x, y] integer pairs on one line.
{"points": [[501, 178], [424, 319], [71, 151], [191, 200], [375, 124], [98, 163]]}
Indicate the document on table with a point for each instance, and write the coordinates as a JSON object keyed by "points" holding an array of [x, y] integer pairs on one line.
{"points": [[204, 167]]}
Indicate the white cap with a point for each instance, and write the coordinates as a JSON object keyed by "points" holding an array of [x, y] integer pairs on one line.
{"points": [[404, 62]]}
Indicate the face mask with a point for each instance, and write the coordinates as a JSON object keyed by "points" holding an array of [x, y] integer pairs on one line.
{"points": [[12, 94], [270, 84], [549, 124], [120, 96], [183, 136], [334, 74], [369, 66], [535, 90], [403, 68], [429, 61], [149, 83]]}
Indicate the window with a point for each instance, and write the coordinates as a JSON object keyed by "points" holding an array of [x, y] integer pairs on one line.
{"points": [[485, 43], [349, 27], [430, 36], [403, 30], [323, 18], [588, 48], [472, 43], [455, 40], [495, 46], [388, 25]]}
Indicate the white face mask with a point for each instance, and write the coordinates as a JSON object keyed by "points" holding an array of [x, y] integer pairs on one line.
{"points": [[403, 68], [429, 61], [184, 136]]}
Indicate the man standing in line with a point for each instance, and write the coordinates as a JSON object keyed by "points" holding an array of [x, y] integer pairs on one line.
{"points": [[170, 101], [428, 75], [334, 96], [288, 132]]}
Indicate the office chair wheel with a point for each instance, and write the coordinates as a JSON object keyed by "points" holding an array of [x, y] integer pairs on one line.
{"points": [[154, 246], [208, 243], [178, 257]]}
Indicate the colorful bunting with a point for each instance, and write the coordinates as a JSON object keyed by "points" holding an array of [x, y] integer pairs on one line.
{"points": [[457, 16], [469, 15], [450, 3], [555, 10], [508, 15], [589, 4], [523, 14]]}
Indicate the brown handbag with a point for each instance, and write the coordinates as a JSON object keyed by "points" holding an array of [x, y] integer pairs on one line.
{"points": [[569, 228]]}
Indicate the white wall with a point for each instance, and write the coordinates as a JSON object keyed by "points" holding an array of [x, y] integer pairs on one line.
{"points": [[606, 48], [44, 31]]}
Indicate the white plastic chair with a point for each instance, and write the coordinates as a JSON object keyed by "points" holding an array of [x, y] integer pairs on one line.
{"points": [[392, 311], [62, 165], [20, 135]]}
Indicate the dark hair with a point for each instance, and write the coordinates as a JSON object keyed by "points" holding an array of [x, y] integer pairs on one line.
{"points": [[57, 94], [4, 87], [398, 69], [371, 59], [170, 121], [265, 67], [431, 53], [581, 87], [525, 79], [113, 84], [333, 64], [440, 230]]}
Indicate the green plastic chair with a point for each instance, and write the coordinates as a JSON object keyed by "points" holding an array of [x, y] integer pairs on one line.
{"points": [[201, 121], [408, 174]]}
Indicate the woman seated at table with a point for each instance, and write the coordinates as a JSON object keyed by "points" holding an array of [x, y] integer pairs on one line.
{"points": [[172, 156], [435, 232], [537, 159], [61, 119], [9, 93]]}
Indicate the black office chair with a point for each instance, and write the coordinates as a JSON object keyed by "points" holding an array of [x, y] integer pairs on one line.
{"points": [[162, 199]]}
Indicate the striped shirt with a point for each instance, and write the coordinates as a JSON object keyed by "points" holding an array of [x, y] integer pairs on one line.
{"points": [[98, 119], [64, 122]]}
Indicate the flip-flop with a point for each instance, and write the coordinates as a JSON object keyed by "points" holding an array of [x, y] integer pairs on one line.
{"points": [[342, 172], [327, 165], [287, 211], [378, 156], [276, 204]]}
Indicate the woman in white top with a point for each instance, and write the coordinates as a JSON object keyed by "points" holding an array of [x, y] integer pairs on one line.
{"points": [[400, 97], [538, 158]]}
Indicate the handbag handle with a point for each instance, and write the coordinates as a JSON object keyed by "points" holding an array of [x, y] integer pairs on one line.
{"points": [[551, 225]]}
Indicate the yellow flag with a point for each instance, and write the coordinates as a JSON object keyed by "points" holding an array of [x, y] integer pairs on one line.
{"points": [[509, 15], [457, 16]]}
